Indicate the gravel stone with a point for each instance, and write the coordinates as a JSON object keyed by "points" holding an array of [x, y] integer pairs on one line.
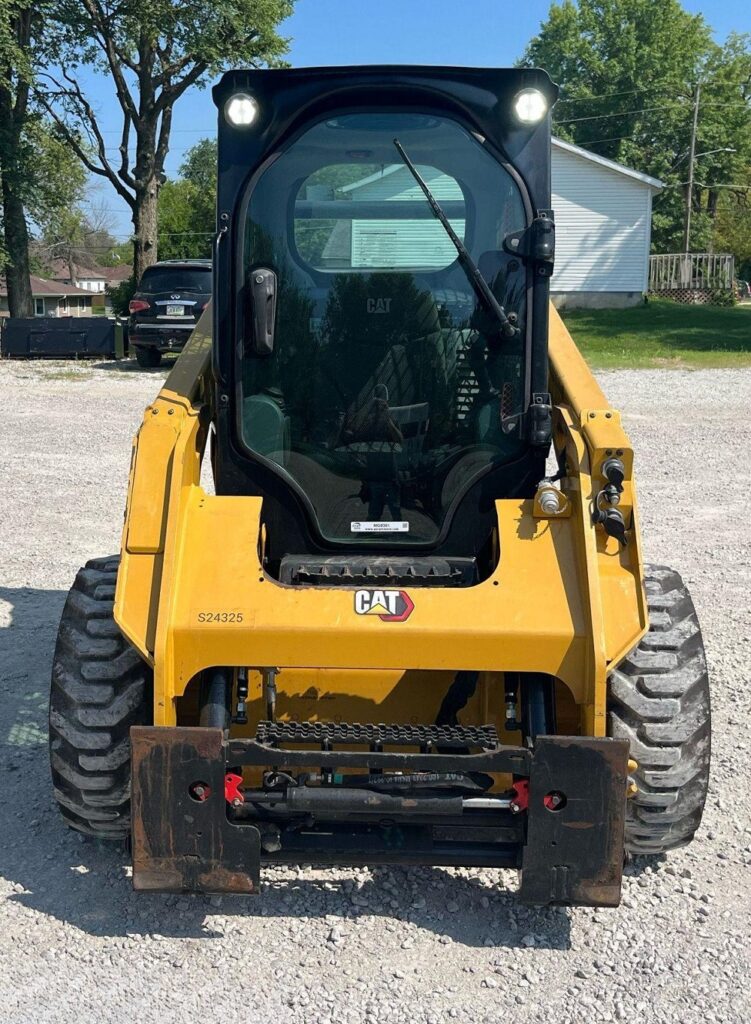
{"points": [[382, 945]]}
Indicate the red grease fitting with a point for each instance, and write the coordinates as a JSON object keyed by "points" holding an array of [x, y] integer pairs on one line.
{"points": [[555, 800], [199, 791], [233, 794]]}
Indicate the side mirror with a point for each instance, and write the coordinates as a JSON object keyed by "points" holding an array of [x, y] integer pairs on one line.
{"points": [[262, 287]]}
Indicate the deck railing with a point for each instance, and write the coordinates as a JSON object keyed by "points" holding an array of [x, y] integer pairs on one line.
{"points": [[692, 277]]}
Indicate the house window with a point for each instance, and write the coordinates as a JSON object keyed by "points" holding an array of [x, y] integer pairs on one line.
{"points": [[39, 307], [63, 306]]}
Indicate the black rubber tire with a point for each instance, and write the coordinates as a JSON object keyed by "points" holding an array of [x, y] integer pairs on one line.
{"points": [[658, 700], [100, 688], [148, 358]]}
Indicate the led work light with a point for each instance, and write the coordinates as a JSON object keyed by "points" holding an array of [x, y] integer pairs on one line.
{"points": [[530, 106], [241, 110]]}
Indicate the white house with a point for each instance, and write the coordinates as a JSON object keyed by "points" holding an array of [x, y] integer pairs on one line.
{"points": [[603, 214], [88, 278], [603, 218]]}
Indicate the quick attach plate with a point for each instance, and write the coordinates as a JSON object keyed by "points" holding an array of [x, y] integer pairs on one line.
{"points": [[574, 849], [182, 839]]}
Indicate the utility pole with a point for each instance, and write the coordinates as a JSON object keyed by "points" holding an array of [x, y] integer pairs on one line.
{"points": [[691, 160]]}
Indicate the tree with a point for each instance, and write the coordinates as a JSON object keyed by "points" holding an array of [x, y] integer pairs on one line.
{"points": [[18, 26], [36, 171], [187, 206], [117, 254], [120, 295], [154, 50], [628, 71], [78, 237], [199, 166], [733, 227], [723, 181]]}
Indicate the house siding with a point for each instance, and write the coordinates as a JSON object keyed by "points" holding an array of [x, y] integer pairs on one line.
{"points": [[411, 243], [54, 306], [602, 228]]}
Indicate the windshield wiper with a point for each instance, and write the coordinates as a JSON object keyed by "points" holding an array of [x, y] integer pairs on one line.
{"points": [[478, 282]]}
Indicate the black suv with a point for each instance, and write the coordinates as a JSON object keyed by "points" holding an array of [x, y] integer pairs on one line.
{"points": [[168, 302]]}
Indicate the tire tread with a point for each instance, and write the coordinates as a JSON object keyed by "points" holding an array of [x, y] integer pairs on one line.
{"points": [[658, 700], [100, 688]]}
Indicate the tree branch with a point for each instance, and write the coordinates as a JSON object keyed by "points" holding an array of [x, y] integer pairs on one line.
{"points": [[23, 85], [160, 154], [174, 90], [104, 168], [170, 72], [114, 59], [21, 104], [124, 171]]}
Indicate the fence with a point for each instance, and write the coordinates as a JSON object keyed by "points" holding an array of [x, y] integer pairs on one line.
{"points": [[693, 277], [65, 337]]}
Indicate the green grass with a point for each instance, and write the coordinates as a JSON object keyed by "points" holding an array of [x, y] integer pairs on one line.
{"points": [[663, 334], [68, 375]]}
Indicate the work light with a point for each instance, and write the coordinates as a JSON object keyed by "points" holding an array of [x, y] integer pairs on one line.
{"points": [[530, 106], [241, 110]]}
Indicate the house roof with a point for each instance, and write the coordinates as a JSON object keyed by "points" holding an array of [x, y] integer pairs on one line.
{"points": [[566, 147], [41, 287], [119, 273], [61, 272], [611, 165]]}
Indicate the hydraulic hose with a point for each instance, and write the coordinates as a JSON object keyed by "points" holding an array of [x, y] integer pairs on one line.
{"points": [[215, 697]]}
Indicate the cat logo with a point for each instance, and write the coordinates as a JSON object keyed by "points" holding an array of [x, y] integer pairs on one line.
{"points": [[379, 305], [388, 605]]}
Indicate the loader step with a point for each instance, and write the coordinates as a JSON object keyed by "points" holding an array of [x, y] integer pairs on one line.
{"points": [[337, 734]]}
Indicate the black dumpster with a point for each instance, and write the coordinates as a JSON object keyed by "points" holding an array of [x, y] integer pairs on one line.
{"points": [[65, 337]]}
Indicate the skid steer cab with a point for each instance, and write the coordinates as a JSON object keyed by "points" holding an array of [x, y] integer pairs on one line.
{"points": [[400, 615]]}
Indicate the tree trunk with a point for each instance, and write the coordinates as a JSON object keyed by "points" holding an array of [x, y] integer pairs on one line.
{"points": [[15, 231], [712, 203], [17, 279], [145, 223]]}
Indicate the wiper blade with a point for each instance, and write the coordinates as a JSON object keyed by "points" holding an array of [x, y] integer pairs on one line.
{"points": [[478, 282]]}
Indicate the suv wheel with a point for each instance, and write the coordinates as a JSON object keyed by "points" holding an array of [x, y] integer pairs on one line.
{"points": [[148, 357]]}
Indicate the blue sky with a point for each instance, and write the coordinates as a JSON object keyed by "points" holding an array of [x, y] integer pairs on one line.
{"points": [[484, 32]]}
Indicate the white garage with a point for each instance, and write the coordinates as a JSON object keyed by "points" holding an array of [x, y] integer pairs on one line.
{"points": [[603, 214]]}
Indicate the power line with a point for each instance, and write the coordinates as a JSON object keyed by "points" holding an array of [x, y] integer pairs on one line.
{"points": [[636, 92], [727, 103], [610, 95], [619, 138], [644, 110], [618, 113], [173, 131]]}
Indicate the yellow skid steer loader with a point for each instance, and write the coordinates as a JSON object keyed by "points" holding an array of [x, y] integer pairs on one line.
{"points": [[402, 616]]}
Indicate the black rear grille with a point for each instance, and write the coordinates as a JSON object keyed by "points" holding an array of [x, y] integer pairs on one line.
{"points": [[359, 571], [337, 734]]}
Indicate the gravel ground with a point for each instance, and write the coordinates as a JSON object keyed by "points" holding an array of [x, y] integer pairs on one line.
{"points": [[381, 946]]}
